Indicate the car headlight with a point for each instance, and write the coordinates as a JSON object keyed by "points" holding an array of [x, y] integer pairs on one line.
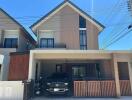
{"points": [[66, 83], [48, 83]]}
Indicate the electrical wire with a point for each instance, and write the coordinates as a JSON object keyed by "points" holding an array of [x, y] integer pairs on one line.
{"points": [[122, 36]]}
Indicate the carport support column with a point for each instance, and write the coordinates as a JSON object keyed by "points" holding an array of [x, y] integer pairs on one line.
{"points": [[130, 74], [32, 67], [116, 74]]}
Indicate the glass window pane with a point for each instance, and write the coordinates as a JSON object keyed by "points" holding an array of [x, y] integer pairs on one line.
{"points": [[83, 39], [82, 22], [14, 43], [51, 43], [78, 71], [47, 43], [10, 42]]}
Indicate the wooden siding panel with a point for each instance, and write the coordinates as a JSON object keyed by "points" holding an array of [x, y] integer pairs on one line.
{"points": [[18, 68], [125, 88], [94, 89]]}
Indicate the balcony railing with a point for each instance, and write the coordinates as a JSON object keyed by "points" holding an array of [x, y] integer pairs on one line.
{"points": [[55, 46], [2, 46]]}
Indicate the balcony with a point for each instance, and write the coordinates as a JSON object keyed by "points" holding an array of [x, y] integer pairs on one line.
{"points": [[55, 46], [60, 46], [13, 46]]}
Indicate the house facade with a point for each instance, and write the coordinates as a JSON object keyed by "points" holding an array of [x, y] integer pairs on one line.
{"points": [[13, 38], [67, 41]]}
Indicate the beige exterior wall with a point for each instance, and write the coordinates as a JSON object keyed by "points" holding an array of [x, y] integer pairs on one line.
{"points": [[6, 23], [107, 69], [51, 26], [70, 28], [23, 42], [92, 36], [65, 28], [11, 33]]}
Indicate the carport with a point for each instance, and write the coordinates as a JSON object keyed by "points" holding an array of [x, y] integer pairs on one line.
{"points": [[107, 86]]}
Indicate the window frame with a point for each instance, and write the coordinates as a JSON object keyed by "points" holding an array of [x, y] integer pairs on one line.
{"points": [[82, 22], [13, 42], [83, 37], [79, 66], [42, 44]]}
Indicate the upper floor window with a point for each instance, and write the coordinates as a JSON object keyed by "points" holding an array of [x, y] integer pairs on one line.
{"points": [[83, 40], [10, 43], [82, 22], [47, 42]]}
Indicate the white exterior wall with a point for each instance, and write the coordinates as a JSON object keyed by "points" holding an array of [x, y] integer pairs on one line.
{"points": [[11, 90], [1, 62], [5, 64], [0, 35]]}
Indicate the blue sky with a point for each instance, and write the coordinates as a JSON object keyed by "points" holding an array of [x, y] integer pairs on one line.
{"points": [[111, 13]]}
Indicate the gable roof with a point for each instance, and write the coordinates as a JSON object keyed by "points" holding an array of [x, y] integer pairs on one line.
{"points": [[26, 33], [60, 6]]}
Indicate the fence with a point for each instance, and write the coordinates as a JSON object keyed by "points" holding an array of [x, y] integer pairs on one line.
{"points": [[11, 90], [125, 88], [28, 90], [94, 88]]}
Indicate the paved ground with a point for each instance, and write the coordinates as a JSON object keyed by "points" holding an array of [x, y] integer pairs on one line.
{"points": [[122, 98]]}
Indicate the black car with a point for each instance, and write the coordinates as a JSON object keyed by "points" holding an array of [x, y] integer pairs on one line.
{"points": [[58, 83]]}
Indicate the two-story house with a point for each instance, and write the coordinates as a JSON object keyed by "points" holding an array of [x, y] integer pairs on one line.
{"points": [[13, 38], [67, 41]]}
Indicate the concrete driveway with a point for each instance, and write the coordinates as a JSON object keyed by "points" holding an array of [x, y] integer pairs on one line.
{"points": [[122, 98]]}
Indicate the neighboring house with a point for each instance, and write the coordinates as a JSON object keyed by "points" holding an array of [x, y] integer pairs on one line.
{"points": [[13, 38], [68, 42]]}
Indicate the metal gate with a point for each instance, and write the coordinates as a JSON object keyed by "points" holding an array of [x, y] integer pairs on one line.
{"points": [[28, 90]]}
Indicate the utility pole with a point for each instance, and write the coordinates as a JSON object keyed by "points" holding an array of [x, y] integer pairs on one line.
{"points": [[129, 4]]}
